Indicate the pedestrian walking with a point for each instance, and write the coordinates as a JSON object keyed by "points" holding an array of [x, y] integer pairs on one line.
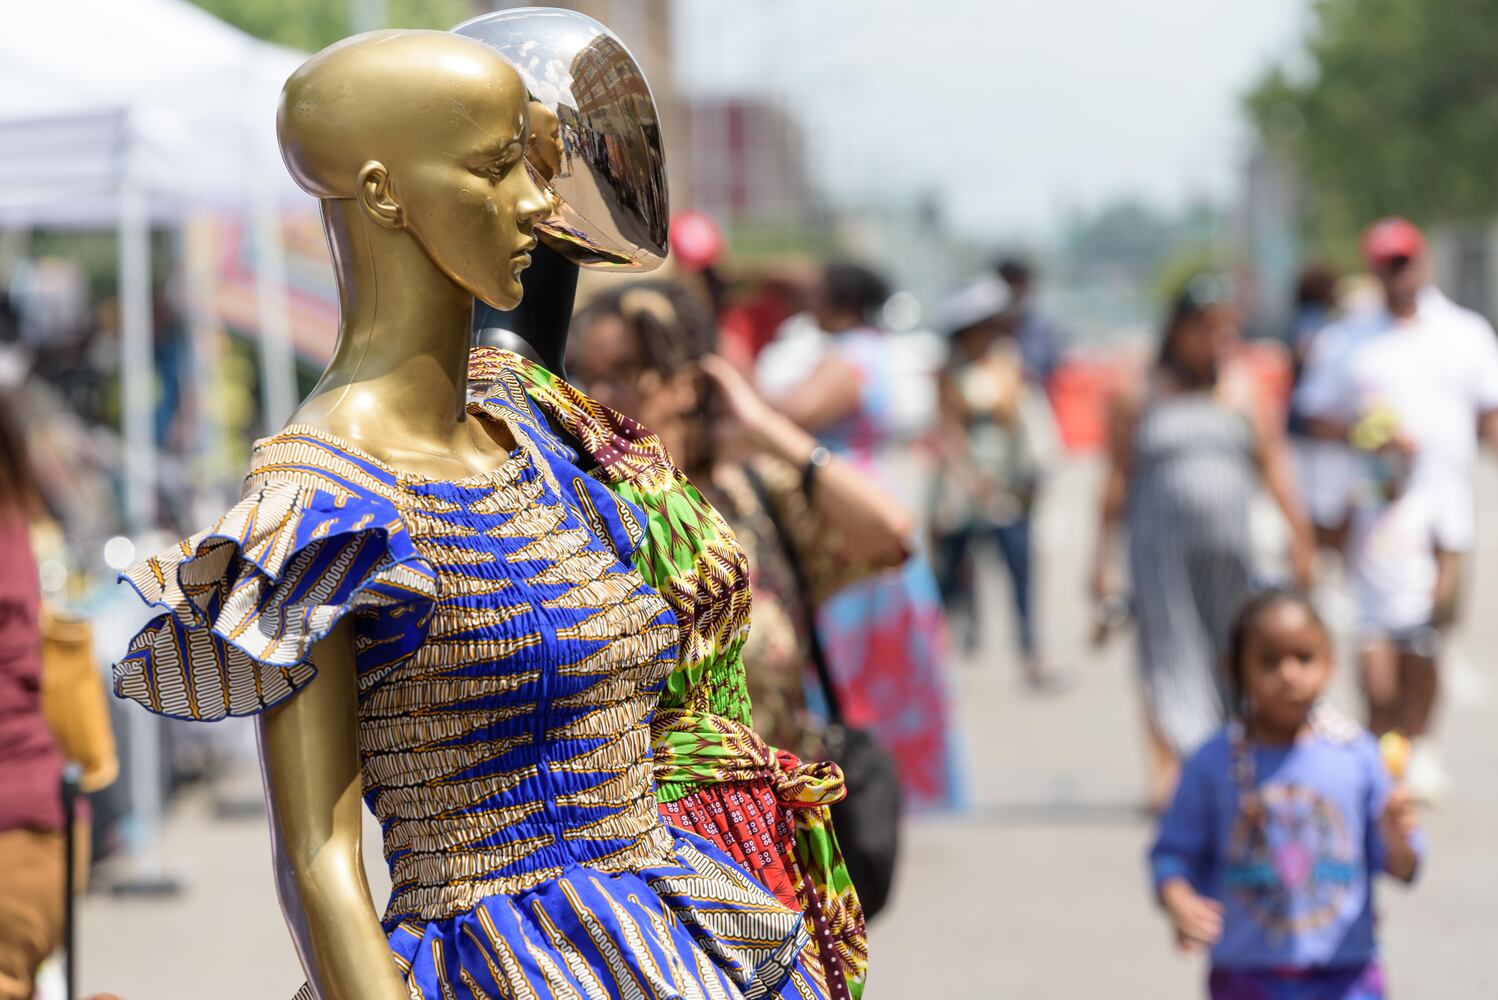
{"points": [[1268, 854], [886, 637], [997, 436], [1190, 448], [1321, 466], [32, 820], [1040, 341], [1407, 388]]}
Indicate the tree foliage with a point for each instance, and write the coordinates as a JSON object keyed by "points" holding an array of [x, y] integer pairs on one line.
{"points": [[1396, 112], [312, 24], [1142, 243]]}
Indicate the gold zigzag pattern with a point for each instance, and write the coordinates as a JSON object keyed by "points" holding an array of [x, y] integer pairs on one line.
{"points": [[443, 735]]}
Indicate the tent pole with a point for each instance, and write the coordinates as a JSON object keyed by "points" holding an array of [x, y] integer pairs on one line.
{"points": [[137, 363], [198, 233], [138, 459], [278, 383]]}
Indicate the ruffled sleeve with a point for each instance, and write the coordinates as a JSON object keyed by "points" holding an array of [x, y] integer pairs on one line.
{"points": [[245, 601]]}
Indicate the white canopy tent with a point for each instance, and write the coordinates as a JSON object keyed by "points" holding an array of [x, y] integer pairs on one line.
{"points": [[125, 113], [197, 99]]}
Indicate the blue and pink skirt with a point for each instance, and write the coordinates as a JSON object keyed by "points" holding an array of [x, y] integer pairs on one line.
{"points": [[1365, 982]]}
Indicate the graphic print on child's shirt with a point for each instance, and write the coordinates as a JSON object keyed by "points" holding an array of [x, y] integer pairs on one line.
{"points": [[1292, 869]]}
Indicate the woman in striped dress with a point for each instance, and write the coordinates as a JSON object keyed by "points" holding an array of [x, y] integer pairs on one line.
{"points": [[1189, 450]]}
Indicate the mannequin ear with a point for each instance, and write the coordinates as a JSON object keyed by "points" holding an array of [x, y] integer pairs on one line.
{"points": [[376, 195]]}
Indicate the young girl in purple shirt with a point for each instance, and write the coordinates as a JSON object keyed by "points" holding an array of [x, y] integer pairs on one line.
{"points": [[1268, 853]]}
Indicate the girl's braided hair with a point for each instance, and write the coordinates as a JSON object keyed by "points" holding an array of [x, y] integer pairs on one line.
{"points": [[1241, 720]]}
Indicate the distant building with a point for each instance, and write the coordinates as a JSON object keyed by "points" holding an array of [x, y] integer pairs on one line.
{"points": [[748, 161], [1270, 208], [1465, 262]]}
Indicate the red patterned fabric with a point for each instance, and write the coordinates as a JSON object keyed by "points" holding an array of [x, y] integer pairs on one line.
{"points": [[751, 820], [746, 820]]}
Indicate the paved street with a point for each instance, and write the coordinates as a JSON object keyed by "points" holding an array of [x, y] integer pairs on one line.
{"points": [[1036, 893], [1040, 893]]}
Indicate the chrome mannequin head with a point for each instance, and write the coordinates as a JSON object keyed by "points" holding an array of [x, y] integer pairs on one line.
{"points": [[597, 149]]}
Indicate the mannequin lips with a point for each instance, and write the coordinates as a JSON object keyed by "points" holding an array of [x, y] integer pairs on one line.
{"points": [[521, 259]]}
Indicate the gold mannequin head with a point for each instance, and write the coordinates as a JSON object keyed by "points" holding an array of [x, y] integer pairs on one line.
{"points": [[425, 132], [545, 148]]}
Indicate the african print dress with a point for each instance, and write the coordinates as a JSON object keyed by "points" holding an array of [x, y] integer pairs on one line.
{"points": [[509, 657], [715, 776]]}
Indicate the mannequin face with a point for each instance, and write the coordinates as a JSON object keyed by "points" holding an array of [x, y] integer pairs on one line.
{"points": [[472, 203], [426, 132], [598, 148]]}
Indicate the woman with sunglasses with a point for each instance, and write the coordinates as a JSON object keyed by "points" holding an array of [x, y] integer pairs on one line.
{"points": [[1189, 448]]}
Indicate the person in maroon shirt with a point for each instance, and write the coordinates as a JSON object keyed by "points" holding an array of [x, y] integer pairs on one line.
{"points": [[32, 874]]}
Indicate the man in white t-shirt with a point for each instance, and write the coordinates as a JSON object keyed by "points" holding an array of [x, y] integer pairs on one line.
{"points": [[1417, 381]]}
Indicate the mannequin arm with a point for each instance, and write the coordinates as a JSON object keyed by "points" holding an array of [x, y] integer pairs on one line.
{"points": [[829, 394], [309, 753]]}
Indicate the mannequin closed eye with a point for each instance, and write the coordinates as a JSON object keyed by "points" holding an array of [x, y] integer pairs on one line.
{"points": [[497, 164]]}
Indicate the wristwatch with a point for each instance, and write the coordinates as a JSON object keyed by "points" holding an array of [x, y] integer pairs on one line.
{"points": [[818, 458]]}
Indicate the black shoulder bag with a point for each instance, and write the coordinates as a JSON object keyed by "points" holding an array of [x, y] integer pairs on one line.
{"points": [[867, 820]]}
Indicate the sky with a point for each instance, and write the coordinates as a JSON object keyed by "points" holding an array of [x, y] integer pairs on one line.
{"points": [[1011, 113]]}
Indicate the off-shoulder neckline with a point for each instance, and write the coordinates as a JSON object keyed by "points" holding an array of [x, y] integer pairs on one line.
{"points": [[402, 476]]}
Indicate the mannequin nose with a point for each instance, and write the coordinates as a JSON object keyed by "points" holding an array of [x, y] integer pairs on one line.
{"points": [[534, 204]]}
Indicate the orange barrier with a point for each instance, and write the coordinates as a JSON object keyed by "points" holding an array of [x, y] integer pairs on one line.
{"points": [[1080, 390]]}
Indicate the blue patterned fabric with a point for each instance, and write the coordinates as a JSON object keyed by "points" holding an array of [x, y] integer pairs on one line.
{"points": [[251, 595], [509, 657]]}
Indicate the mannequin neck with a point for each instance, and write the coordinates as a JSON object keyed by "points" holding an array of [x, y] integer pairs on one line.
{"points": [[537, 328], [400, 368]]}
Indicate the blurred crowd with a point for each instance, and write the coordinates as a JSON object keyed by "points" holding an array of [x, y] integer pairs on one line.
{"points": [[1360, 428], [931, 445]]}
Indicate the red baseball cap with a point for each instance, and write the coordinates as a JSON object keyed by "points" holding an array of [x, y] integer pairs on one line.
{"points": [[1393, 237], [696, 241]]}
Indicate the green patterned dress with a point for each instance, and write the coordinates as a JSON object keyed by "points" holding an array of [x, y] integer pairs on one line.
{"points": [[709, 762]]}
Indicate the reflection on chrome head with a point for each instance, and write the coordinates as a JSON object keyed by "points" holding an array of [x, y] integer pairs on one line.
{"points": [[595, 138]]}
